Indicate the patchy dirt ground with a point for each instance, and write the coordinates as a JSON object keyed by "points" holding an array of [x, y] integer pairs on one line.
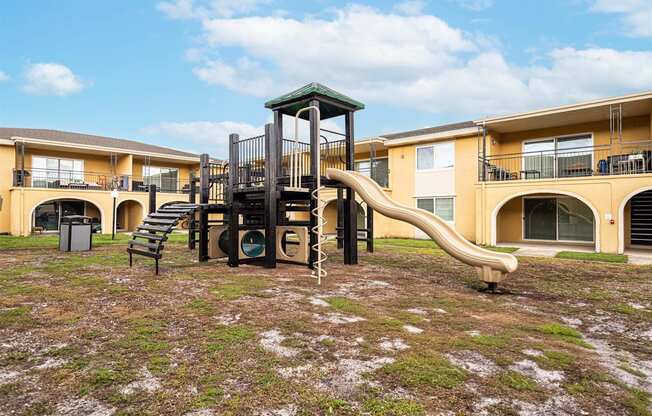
{"points": [[404, 333]]}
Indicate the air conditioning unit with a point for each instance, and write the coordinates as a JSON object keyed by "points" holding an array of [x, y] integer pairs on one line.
{"points": [[292, 244], [251, 244]]}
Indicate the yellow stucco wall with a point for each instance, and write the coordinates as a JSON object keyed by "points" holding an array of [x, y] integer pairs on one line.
{"points": [[7, 163], [605, 195], [25, 200]]}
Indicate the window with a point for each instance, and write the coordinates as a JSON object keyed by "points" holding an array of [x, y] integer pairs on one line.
{"points": [[443, 207], [49, 172], [380, 171], [165, 179], [437, 156], [425, 158]]}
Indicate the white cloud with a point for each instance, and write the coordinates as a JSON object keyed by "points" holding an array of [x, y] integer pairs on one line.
{"points": [[189, 9], [410, 7], [422, 63], [636, 15], [51, 79], [475, 5], [3, 76], [178, 9], [203, 136], [213, 136]]}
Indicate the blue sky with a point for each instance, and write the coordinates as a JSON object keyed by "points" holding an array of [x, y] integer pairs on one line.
{"points": [[185, 73]]}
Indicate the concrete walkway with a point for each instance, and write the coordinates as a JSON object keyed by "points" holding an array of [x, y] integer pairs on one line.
{"points": [[544, 250], [640, 257]]}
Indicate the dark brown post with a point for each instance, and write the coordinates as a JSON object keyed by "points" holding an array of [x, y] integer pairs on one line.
{"points": [[350, 205], [152, 198], [271, 195], [340, 218], [204, 178], [234, 215], [192, 224]]}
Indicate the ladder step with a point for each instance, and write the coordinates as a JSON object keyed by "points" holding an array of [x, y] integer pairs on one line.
{"points": [[151, 246], [149, 236], [164, 215], [149, 220], [144, 253], [154, 228]]}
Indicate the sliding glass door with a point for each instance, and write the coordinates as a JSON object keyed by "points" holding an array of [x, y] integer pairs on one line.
{"points": [[557, 219], [558, 157]]}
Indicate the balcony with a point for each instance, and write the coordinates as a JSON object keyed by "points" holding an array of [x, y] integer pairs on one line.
{"points": [[94, 181], [619, 158]]}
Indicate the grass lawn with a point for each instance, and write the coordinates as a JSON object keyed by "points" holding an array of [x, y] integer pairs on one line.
{"points": [[604, 257], [405, 332], [8, 242]]}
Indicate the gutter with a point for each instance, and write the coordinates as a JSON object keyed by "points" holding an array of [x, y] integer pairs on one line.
{"points": [[103, 148], [450, 134]]}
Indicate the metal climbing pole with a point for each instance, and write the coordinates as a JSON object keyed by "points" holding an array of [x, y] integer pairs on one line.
{"points": [[296, 171]]}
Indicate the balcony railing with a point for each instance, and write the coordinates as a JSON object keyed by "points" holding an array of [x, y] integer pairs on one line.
{"points": [[93, 181], [622, 158]]}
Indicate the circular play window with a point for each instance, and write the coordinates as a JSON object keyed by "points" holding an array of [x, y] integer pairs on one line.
{"points": [[253, 243], [290, 243], [223, 241]]}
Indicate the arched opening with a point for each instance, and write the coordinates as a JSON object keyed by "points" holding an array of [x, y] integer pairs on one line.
{"points": [[330, 215], [545, 218], [47, 215], [129, 215], [635, 225]]}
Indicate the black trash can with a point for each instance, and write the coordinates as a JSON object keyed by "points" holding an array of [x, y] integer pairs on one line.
{"points": [[75, 233]]}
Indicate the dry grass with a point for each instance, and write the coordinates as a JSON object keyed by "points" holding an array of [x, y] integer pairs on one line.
{"points": [[404, 333]]}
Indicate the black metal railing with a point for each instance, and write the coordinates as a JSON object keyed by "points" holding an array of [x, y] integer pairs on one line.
{"points": [[332, 155], [218, 181], [303, 157], [633, 157], [250, 170], [95, 181]]}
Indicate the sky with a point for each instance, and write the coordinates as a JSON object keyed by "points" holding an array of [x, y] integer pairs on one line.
{"points": [[186, 73]]}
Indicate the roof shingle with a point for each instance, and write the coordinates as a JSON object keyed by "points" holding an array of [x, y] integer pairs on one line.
{"points": [[430, 130], [90, 140]]}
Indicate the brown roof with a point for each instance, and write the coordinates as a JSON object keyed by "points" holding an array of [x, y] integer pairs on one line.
{"points": [[90, 140], [430, 130]]}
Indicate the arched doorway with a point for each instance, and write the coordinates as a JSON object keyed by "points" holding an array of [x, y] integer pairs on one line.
{"points": [[330, 215], [635, 226], [47, 215], [545, 218], [129, 214]]}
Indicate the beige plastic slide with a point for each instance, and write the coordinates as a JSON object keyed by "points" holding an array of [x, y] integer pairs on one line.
{"points": [[492, 266]]}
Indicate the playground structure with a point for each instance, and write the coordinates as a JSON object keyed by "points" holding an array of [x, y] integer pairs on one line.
{"points": [[264, 205]]}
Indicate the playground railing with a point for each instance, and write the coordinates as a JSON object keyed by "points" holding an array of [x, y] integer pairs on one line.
{"points": [[303, 150], [250, 170]]}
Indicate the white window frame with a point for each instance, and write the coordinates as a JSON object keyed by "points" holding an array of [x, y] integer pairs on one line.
{"points": [[434, 155], [45, 171], [149, 167], [556, 197], [555, 150]]}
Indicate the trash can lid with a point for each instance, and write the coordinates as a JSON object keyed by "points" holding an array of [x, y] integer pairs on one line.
{"points": [[79, 219]]}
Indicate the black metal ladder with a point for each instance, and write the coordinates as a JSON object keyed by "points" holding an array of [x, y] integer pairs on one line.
{"points": [[149, 238]]}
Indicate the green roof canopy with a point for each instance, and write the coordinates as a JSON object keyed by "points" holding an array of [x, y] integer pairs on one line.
{"points": [[331, 102]]}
